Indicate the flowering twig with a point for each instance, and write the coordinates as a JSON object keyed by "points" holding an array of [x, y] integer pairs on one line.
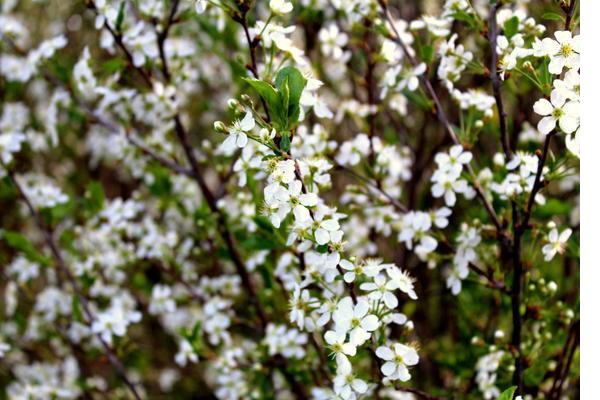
{"points": [[64, 269], [441, 116]]}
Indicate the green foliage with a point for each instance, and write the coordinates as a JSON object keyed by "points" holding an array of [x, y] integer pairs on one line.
{"points": [[93, 200], [552, 16], [511, 27], [283, 100], [508, 394], [23, 245]]}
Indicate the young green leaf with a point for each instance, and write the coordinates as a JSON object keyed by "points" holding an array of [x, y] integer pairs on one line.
{"points": [[508, 394], [511, 27], [295, 82], [22, 244]]}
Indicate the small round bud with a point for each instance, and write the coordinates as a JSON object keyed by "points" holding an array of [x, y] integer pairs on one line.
{"points": [[246, 99], [233, 104], [220, 127], [528, 66], [499, 159], [479, 124], [499, 334], [552, 286], [551, 225]]}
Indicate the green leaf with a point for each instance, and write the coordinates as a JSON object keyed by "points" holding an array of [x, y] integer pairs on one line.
{"points": [[291, 83], [22, 244], [120, 18], [552, 16], [468, 18], [113, 65], [284, 97], [427, 53], [76, 309], [264, 89], [508, 394], [271, 97], [94, 197], [286, 142], [511, 27]]}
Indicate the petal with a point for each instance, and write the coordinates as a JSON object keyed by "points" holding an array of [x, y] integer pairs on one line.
{"points": [[403, 373], [241, 140], [556, 65], [572, 109], [301, 213], [568, 124], [370, 323], [322, 236], [349, 277], [229, 143], [359, 386], [390, 300], [556, 99], [358, 336], [385, 353], [362, 308], [562, 36], [437, 190], [546, 125], [388, 368], [248, 122], [543, 107], [450, 198], [331, 337], [330, 225], [565, 235], [309, 199], [349, 348]]}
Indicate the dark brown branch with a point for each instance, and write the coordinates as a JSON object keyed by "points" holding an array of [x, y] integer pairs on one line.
{"points": [[496, 84], [564, 363]]}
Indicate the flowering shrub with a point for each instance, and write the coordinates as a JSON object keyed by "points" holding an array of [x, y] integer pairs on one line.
{"points": [[237, 199]]}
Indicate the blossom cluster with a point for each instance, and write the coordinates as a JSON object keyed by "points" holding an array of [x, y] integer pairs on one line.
{"points": [[345, 199]]}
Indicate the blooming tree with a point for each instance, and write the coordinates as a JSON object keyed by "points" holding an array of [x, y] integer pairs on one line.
{"points": [[315, 199]]}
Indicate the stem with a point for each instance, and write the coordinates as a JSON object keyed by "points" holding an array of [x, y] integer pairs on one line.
{"points": [[496, 84]]}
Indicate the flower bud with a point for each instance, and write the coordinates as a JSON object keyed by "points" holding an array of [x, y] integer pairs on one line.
{"points": [[247, 100], [220, 127], [233, 104], [499, 159]]}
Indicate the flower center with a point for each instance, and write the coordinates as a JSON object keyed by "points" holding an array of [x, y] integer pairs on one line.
{"points": [[557, 113], [565, 50]]}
